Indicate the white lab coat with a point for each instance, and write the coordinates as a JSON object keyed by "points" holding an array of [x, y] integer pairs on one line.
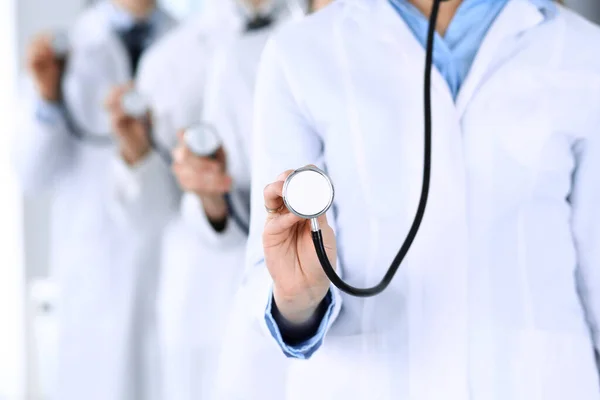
{"points": [[258, 369], [499, 297], [202, 269], [104, 235], [172, 78]]}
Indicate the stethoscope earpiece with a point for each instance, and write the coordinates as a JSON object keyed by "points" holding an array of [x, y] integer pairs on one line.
{"points": [[202, 140], [308, 192]]}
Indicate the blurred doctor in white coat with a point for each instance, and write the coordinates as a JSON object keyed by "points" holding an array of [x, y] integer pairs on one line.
{"points": [[104, 236], [499, 296], [172, 81], [258, 368], [204, 247]]}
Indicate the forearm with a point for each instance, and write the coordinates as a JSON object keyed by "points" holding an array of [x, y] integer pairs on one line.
{"points": [[220, 232]]}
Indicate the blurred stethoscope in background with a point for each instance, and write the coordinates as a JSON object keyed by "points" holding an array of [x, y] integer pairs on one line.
{"points": [[308, 192], [202, 139], [132, 103]]}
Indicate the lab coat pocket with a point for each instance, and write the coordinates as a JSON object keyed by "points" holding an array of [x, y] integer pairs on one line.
{"points": [[522, 121], [508, 136], [554, 366], [351, 367]]}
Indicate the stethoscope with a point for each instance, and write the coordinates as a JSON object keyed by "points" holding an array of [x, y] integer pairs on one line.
{"points": [[309, 193], [132, 103], [202, 139]]}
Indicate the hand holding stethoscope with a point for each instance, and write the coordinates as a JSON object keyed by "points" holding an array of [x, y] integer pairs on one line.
{"points": [[130, 123], [127, 108], [45, 66], [288, 244], [199, 164], [204, 176], [299, 245], [198, 161]]}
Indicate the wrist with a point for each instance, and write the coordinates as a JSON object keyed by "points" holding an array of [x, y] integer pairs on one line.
{"points": [[133, 157], [298, 310], [50, 96]]}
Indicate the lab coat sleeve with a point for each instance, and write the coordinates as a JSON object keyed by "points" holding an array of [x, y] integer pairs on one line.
{"points": [[192, 212], [145, 195], [585, 200], [221, 111], [284, 138], [43, 148], [306, 349]]}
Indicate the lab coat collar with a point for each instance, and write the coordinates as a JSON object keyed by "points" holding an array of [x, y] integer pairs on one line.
{"points": [[517, 17], [547, 7], [120, 19], [274, 8], [377, 17]]}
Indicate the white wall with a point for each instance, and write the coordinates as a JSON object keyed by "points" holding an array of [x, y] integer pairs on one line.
{"points": [[12, 325]]}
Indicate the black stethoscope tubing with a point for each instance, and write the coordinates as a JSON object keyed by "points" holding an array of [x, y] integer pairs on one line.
{"points": [[391, 272]]}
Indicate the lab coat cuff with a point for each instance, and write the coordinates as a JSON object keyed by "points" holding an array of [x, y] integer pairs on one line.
{"points": [[306, 349], [48, 113], [193, 214]]}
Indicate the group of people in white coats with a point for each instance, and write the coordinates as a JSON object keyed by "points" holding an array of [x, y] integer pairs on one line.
{"points": [[183, 274], [145, 255]]}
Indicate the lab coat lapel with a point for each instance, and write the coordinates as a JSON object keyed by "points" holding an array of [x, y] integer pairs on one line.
{"points": [[379, 18], [102, 35], [517, 17]]}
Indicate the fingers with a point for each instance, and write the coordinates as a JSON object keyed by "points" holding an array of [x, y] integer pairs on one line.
{"points": [[181, 136], [199, 174], [273, 196], [273, 192], [284, 175], [280, 219], [204, 182], [200, 165], [40, 52], [114, 99]]}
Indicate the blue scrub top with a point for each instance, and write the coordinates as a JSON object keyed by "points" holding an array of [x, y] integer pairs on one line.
{"points": [[455, 52]]}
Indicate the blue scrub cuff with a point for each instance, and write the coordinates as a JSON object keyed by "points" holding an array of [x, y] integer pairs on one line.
{"points": [[306, 349], [48, 112]]}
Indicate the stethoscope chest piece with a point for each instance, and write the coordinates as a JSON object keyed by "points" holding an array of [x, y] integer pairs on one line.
{"points": [[134, 104], [202, 140], [308, 192]]}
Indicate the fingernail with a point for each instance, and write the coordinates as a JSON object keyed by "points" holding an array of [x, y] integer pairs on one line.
{"points": [[282, 176], [177, 155]]}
